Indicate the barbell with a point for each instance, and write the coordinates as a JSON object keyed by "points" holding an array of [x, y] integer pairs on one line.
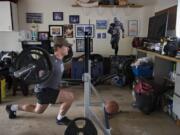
{"points": [[30, 63]]}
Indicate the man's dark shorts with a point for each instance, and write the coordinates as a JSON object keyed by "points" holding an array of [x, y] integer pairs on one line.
{"points": [[47, 96]]}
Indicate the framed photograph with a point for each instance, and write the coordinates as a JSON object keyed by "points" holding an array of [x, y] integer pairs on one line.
{"points": [[82, 28], [80, 45], [103, 35], [98, 35], [43, 35], [56, 30], [68, 31], [101, 24], [74, 19], [58, 16], [34, 17], [132, 27]]}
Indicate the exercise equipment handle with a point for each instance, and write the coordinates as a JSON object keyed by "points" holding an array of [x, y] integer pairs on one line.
{"points": [[24, 70]]}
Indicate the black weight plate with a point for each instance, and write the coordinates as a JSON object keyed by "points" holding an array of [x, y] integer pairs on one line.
{"points": [[74, 128], [38, 57]]}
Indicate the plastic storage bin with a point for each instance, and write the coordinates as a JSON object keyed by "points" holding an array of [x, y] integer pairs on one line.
{"points": [[146, 102], [143, 71], [77, 69], [2, 88]]}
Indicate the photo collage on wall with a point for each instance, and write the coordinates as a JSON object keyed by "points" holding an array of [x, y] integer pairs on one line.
{"points": [[72, 30]]}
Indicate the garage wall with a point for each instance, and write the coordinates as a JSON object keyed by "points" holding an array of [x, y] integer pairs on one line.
{"points": [[9, 41], [101, 46], [163, 4]]}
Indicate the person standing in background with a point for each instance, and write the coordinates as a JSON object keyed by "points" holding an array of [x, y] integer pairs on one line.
{"points": [[115, 29]]}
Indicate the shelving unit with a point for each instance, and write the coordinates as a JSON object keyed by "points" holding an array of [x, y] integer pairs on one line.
{"points": [[169, 96], [168, 80], [170, 91], [159, 55], [115, 6]]}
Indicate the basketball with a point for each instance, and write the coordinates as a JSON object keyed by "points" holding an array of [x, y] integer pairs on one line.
{"points": [[111, 107]]}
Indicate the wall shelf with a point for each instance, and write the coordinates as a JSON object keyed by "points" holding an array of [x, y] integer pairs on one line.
{"points": [[165, 57], [117, 6]]}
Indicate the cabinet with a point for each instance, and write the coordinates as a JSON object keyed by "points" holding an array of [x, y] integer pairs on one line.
{"points": [[8, 16], [162, 67], [176, 97]]}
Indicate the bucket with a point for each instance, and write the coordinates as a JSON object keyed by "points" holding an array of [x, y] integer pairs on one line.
{"points": [[3, 88]]}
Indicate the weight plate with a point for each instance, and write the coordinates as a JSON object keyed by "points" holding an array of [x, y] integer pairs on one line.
{"points": [[37, 57]]}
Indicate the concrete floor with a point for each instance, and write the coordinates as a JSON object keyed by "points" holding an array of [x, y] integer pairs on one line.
{"points": [[129, 121]]}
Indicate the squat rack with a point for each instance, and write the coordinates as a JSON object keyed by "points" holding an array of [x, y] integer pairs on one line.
{"points": [[88, 88]]}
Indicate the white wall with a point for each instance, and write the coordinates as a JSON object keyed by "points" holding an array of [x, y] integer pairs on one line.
{"points": [[9, 41], [147, 12], [163, 4], [101, 46]]}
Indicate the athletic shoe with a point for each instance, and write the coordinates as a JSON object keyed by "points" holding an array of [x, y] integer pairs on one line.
{"points": [[63, 121], [12, 114]]}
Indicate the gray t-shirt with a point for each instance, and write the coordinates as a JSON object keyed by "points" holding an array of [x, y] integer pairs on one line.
{"points": [[55, 78]]}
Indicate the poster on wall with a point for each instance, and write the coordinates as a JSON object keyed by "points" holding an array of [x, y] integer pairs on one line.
{"points": [[56, 30], [132, 27], [43, 35], [103, 35], [98, 35], [58, 16], [101, 24], [34, 17], [68, 31], [74, 19], [82, 28], [80, 45]]}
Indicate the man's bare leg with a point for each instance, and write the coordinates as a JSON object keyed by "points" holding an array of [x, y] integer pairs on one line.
{"points": [[38, 108], [66, 99]]}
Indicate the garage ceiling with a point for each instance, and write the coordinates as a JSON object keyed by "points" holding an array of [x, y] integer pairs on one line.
{"points": [[143, 2]]}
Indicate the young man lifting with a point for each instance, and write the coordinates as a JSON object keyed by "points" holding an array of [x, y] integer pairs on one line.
{"points": [[49, 92]]}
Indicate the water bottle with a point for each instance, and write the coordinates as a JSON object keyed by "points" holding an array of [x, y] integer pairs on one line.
{"points": [[34, 31]]}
